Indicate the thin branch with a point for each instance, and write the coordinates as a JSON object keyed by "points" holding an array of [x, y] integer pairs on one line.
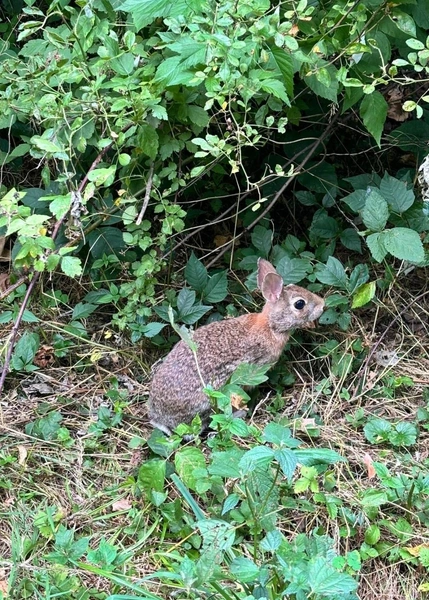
{"points": [[146, 196], [15, 328], [267, 209]]}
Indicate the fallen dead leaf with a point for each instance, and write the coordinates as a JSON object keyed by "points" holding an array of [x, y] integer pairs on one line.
{"points": [[369, 466], [415, 550], [4, 587], [237, 402], [22, 452], [122, 504], [44, 356]]}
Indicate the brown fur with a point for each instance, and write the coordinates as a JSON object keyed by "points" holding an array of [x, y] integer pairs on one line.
{"points": [[176, 393]]}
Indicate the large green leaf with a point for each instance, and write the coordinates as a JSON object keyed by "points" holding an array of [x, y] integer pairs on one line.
{"points": [[397, 195], [196, 273], [293, 270], [284, 63], [404, 243], [186, 461], [375, 212], [326, 87], [262, 239], [216, 288], [172, 72], [373, 111], [333, 273], [145, 12]]}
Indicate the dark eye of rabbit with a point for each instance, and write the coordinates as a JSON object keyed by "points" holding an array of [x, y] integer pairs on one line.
{"points": [[299, 304]]}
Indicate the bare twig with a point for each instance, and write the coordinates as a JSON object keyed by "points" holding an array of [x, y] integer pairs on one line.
{"points": [[146, 196]]}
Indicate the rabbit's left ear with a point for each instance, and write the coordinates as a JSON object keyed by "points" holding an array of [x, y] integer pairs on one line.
{"points": [[264, 267], [272, 287]]}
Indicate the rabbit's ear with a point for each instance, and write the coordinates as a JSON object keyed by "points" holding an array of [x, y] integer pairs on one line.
{"points": [[264, 267], [272, 287]]}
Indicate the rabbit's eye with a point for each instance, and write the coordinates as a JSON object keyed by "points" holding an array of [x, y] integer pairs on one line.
{"points": [[299, 304]]}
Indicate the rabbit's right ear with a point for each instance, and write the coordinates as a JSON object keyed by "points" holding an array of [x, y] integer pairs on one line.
{"points": [[264, 267], [272, 287]]}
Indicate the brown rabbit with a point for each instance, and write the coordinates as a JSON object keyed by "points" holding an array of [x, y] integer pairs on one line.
{"points": [[176, 394]]}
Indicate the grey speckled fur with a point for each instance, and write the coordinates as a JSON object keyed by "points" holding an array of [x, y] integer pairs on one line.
{"points": [[176, 394]]}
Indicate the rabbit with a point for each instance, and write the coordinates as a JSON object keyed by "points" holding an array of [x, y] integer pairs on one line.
{"points": [[176, 393]]}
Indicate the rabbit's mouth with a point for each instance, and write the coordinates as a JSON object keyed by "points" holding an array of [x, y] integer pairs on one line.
{"points": [[310, 325]]}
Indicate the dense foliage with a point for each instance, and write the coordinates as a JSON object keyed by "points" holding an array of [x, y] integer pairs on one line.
{"points": [[146, 146]]}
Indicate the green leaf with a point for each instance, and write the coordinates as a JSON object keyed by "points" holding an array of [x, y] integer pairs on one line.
{"points": [[231, 502], [324, 227], [356, 200], [244, 570], [197, 115], [377, 430], [195, 313], [82, 310], [395, 192], [376, 246], [284, 63], [257, 457], [151, 476], [358, 276], [46, 145], [104, 555], [196, 273], [372, 535], [404, 434], [147, 140], [325, 581], [249, 375], [226, 464], [185, 300], [315, 456], [216, 288], [45, 428], [186, 461], [275, 88], [404, 243], [364, 294], [404, 22], [277, 434], [371, 498], [145, 12], [25, 350], [172, 72], [104, 176], [287, 461], [71, 266], [272, 541], [330, 91], [373, 111], [124, 64], [376, 212], [333, 273], [60, 205], [350, 239], [293, 270], [262, 239], [152, 329]]}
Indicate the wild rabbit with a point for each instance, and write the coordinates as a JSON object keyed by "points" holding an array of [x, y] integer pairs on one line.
{"points": [[176, 394]]}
